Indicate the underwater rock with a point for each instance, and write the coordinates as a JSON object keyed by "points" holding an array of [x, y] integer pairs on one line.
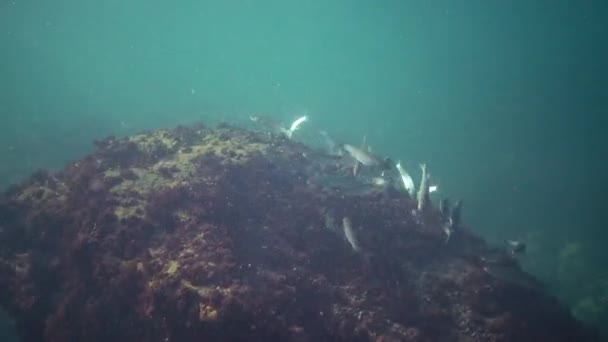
{"points": [[197, 234]]}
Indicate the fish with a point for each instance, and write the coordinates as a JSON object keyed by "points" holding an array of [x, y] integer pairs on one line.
{"points": [[295, 125], [361, 156], [356, 168], [450, 217], [516, 247], [444, 210], [379, 181], [364, 147], [408, 182], [455, 215], [448, 230], [349, 234], [423, 191], [366, 158], [433, 184], [447, 223]]}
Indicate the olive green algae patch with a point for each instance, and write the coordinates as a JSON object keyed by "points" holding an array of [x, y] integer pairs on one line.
{"points": [[124, 212], [178, 165], [154, 142], [38, 194], [235, 150]]}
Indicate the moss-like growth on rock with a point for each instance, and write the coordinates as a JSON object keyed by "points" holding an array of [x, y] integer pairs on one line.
{"points": [[226, 234]]}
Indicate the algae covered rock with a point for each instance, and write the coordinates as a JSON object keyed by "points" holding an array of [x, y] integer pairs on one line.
{"points": [[224, 234]]}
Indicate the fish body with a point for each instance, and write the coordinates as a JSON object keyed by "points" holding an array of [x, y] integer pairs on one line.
{"points": [[423, 191], [408, 182], [448, 230], [361, 156], [294, 125], [379, 181], [349, 234], [450, 217], [446, 219], [254, 118], [516, 247]]}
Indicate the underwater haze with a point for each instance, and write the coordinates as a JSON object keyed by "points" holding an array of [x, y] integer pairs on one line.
{"points": [[507, 101]]}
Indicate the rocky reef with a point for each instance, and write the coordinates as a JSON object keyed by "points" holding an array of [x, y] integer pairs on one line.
{"points": [[226, 234]]}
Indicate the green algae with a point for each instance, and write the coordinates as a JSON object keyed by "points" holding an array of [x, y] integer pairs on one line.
{"points": [[123, 212], [172, 267], [181, 162], [151, 143]]}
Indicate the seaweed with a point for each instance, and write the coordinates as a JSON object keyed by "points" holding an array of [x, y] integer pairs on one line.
{"points": [[201, 233]]}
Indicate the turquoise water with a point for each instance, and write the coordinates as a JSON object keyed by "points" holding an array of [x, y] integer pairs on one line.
{"points": [[506, 101]]}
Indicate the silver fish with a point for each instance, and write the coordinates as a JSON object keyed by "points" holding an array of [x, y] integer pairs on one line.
{"points": [[407, 180], [448, 230], [379, 181], [516, 247], [451, 217], [447, 221], [445, 210], [361, 155], [294, 126], [423, 191], [349, 234], [356, 168]]}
